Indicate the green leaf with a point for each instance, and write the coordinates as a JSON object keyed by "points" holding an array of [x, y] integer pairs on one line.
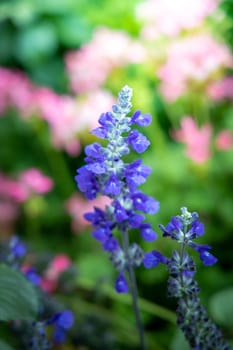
{"points": [[221, 307], [36, 42], [18, 297], [5, 346]]}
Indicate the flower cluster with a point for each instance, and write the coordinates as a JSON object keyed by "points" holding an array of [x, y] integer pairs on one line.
{"points": [[33, 335], [197, 140], [192, 318], [17, 91], [165, 17], [184, 229], [89, 67], [106, 173], [192, 62]]}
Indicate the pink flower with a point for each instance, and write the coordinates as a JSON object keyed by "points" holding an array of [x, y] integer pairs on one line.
{"points": [[166, 17], [77, 206], [65, 115], [68, 117], [219, 90], [192, 60], [57, 266], [34, 181], [197, 140], [224, 140], [16, 91], [89, 67]]}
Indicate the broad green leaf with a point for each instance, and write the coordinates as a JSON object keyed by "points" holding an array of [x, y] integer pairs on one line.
{"points": [[36, 42], [18, 297], [5, 346], [221, 307]]}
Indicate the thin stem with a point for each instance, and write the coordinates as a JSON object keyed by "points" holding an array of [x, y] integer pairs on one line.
{"points": [[134, 293]]}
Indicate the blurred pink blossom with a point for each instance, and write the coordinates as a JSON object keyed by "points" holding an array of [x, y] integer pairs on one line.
{"points": [[57, 266], [77, 206], [16, 90], [166, 17], [65, 115], [224, 140], [31, 181], [68, 117], [197, 140], [193, 59], [219, 90], [89, 66]]}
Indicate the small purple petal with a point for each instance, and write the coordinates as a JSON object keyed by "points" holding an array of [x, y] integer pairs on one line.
{"points": [[65, 319], [120, 212], [94, 150], [111, 244], [33, 276], [59, 335], [112, 186], [121, 285], [147, 233], [138, 141], [101, 234], [96, 168], [141, 119], [100, 132], [207, 258], [135, 220], [152, 259], [197, 229]]}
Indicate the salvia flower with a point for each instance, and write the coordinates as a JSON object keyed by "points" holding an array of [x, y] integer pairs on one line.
{"points": [[62, 322], [106, 173], [192, 318], [185, 228]]}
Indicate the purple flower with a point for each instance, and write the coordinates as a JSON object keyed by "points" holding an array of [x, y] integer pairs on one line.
{"points": [[141, 119], [65, 319], [33, 276], [87, 182], [94, 151], [120, 212], [136, 173], [106, 173], [152, 259], [111, 244], [184, 229], [197, 229], [135, 220], [101, 234], [138, 141], [62, 321], [112, 186], [147, 233], [121, 285], [17, 247], [144, 203], [207, 258]]}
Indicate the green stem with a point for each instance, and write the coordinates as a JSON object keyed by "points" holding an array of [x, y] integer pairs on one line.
{"points": [[134, 293]]}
